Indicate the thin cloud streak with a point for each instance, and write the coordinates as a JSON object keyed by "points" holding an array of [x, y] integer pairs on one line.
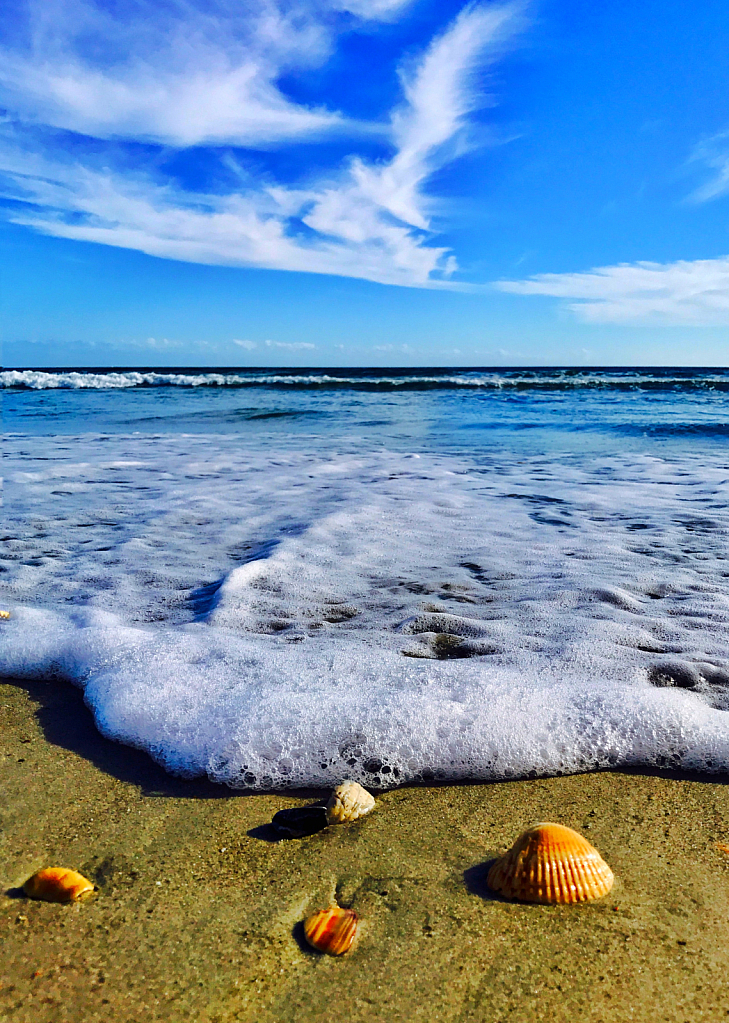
{"points": [[367, 220], [714, 154], [685, 293], [291, 345]]}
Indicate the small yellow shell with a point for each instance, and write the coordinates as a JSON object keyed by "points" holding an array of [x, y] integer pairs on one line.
{"points": [[57, 884], [331, 930], [4, 614], [348, 802], [551, 864]]}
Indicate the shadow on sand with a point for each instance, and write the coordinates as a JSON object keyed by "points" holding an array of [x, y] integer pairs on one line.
{"points": [[297, 933], [475, 881], [67, 722]]}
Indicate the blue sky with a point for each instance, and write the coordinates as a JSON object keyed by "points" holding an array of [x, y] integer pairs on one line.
{"points": [[364, 182]]}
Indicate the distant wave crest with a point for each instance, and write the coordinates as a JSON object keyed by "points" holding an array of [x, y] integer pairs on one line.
{"points": [[535, 379]]}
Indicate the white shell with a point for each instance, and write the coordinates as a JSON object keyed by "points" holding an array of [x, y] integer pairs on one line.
{"points": [[348, 802]]}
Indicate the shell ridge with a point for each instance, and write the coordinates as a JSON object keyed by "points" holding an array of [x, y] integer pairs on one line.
{"points": [[565, 881]]}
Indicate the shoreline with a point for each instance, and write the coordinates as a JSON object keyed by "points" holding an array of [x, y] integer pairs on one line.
{"points": [[197, 909]]}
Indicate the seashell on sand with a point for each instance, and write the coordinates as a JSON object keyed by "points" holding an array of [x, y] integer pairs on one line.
{"points": [[4, 614], [331, 930], [551, 864], [299, 821], [57, 884], [348, 802]]}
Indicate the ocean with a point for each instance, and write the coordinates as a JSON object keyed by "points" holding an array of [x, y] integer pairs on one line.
{"points": [[282, 578]]}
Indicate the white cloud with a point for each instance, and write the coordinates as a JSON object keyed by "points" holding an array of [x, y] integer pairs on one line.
{"points": [[382, 10], [368, 220], [684, 292], [181, 73], [248, 345], [162, 342], [440, 92], [291, 345], [714, 154], [156, 343], [669, 293]]}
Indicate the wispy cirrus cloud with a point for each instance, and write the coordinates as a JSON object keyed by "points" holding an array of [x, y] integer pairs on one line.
{"points": [[367, 218], [188, 72], [685, 292], [713, 153]]}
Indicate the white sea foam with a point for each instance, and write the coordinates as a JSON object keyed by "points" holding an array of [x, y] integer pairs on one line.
{"points": [[490, 380], [291, 619]]}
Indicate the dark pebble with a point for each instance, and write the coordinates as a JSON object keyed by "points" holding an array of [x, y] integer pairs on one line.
{"points": [[298, 821]]}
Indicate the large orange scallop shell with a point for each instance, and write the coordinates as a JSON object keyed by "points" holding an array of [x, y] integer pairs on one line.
{"points": [[331, 930], [57, 884], [551, 864]]}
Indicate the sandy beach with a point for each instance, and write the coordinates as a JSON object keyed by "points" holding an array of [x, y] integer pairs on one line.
{"points": [[198, 910]]}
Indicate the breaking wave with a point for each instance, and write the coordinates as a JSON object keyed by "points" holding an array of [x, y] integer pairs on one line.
{"points": [[372, 380]]}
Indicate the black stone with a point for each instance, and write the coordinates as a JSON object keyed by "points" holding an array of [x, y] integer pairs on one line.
{"points": [[298, 821]]}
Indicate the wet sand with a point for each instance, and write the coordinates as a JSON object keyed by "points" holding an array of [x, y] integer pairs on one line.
{"points": [[197, 908]]}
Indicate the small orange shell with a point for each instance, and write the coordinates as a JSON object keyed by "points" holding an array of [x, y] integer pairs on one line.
{"points": [[57, 884], [331, 930], [551, 864]]}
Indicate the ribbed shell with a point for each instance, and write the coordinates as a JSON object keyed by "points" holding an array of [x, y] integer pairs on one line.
{"points": [[551, 864], [57, 884], [331, 930]]}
